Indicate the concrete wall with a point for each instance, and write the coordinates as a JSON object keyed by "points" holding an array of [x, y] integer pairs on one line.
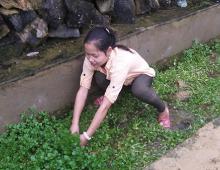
{"points": [[166, 39], [56, 87]]}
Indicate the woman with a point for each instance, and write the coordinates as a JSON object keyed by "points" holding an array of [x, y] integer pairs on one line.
{"points": [[114, 66]]}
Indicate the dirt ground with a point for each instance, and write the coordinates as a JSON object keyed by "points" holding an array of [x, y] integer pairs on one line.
{"points": [[201, 152]]}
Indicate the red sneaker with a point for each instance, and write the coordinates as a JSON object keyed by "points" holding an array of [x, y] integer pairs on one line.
{"points": [[164, 119], [98, 101], [165, 122]]}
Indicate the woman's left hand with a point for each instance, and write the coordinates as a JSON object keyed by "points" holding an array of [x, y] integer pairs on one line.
{"points": [[83, 140]]}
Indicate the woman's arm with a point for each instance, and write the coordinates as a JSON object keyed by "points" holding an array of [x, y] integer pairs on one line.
{"points": [[97, 120], [80, 100]]}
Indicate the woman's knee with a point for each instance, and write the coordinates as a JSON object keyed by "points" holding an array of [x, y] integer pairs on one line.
{"points": [[101, 80], [139, 91], [99, 77]]}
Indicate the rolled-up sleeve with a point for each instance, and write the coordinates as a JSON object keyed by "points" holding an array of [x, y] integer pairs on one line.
{"points": [[118, 76], [87, 74]]}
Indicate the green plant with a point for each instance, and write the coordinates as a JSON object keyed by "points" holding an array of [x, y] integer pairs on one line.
{"points": [[130, 137]]}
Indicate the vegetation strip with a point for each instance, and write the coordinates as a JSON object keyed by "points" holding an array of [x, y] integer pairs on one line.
{"points": [[130, 137]]}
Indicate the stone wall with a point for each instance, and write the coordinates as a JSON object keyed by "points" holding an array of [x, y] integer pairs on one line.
{"points": [[33, 21]]}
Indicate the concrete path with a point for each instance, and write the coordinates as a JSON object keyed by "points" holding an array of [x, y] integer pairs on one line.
{"points": [[201, 152]]}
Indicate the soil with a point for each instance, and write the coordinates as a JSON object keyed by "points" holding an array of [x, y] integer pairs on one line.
{"points": [[201, 152]]}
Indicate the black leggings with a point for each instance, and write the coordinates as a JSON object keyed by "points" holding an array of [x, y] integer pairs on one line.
{"points": [[141, 88]]}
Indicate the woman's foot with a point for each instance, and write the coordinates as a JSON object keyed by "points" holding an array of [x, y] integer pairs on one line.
{"points": [[164, 118], [98, 101]]}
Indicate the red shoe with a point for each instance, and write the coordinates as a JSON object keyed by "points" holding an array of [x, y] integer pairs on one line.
{"points": [[98, 101], [164, 121]]}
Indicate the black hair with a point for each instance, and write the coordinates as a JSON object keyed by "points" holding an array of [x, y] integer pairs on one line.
{"points": [[103, 38]]}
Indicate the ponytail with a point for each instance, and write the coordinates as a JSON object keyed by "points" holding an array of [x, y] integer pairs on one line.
{"points": [[103, 38]]}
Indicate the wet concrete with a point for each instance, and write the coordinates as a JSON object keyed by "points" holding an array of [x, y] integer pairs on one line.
{"points": [[216, 122], [200, 152]]}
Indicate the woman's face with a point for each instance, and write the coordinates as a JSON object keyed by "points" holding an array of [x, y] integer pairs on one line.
{"points": [[96, 57]]}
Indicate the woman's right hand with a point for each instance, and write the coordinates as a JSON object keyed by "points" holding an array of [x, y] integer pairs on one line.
{"points": [[74, 129]]}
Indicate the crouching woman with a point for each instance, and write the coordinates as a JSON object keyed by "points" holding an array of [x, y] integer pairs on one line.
{"points": [[113, 66]]}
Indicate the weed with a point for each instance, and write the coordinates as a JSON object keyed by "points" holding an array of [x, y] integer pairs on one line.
{"points": [[130, 137]]}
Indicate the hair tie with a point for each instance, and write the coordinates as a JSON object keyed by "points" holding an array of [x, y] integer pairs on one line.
{"points": [[107, 30]]}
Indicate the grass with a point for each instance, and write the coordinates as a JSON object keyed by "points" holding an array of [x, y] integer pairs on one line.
{"points": [[130, 137]]}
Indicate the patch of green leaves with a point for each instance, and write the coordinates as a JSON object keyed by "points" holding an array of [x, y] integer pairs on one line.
{"points": [[130, 137]]}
